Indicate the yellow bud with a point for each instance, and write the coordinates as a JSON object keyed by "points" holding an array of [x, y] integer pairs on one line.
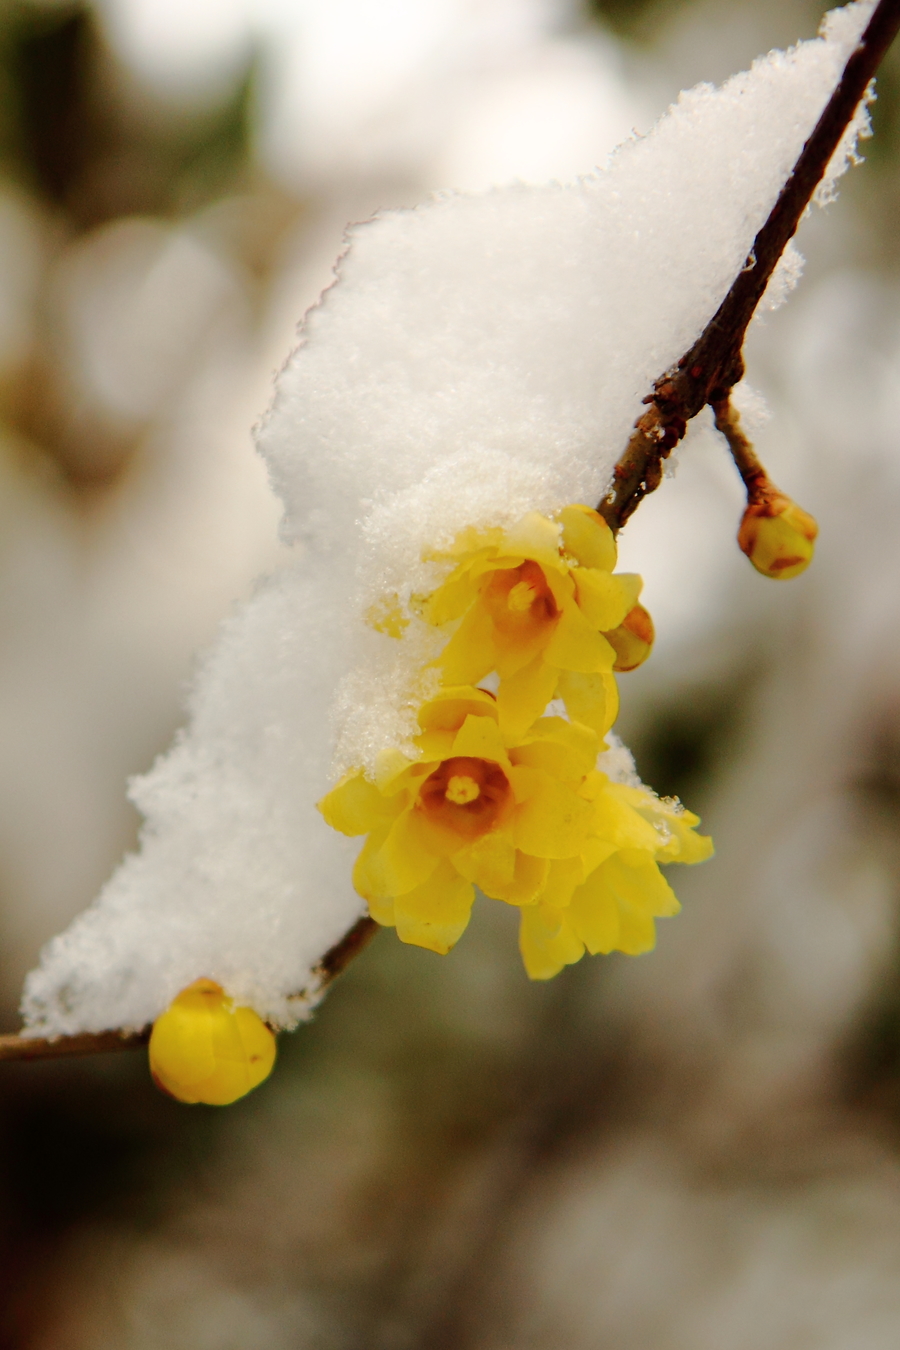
{"points": [[778, 536], [632, 641], [203, 1049]]}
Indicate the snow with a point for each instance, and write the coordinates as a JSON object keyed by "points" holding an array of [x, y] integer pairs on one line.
{"points": [[477, 357]]}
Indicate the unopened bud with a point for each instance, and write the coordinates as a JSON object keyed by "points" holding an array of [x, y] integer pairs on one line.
{"points": [[778, 536], [632, 641], [204, 1049]]}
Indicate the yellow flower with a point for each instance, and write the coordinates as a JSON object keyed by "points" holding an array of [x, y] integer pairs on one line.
{"points": [[203, 1049], [527, 818], [609, 902], [534, 603]]}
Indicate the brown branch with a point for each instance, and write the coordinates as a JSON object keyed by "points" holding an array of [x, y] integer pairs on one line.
{"points": [[714, 364], [704, 375], [16, 1046]]}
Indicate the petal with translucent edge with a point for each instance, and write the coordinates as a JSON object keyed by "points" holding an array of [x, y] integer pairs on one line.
{"points": [[534, 536], [632, 584], [436, 745], [591, 699], [451, 600], [368, 877], [603, 599], [550, 820], [407, 856], [389, 765], [355, 806], [620, 823], [479, 738], [471, 653], [435, 914], [382, 910], [480, 567], [594, 914], [564, 875], [528, 882], [522, 697], [575, 645], [451, 707], [516, 650], [489, 862], [639, 881], [587, 537], [468, 541], [547, 941], [567, 749]]}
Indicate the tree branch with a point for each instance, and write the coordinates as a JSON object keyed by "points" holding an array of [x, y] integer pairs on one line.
{"points": [[16, 1046], [705, 374], [710, 369]]}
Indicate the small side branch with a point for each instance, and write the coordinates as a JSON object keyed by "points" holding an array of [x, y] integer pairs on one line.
{"points": [[712, 367]]}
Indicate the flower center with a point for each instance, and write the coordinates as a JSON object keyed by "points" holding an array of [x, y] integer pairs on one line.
{"points": [[466, 795], [521, 597], [462, 789], [521, 602]]}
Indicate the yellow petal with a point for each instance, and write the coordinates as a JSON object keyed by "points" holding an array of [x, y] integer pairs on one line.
{"points": [[563, 876], [547, 941], [591, 699], [528, 882], [603, 599], [550, 820], [575, 645], [471, 653], [435, 914], [382, 910], [587, 538], [451, 600], [479, 738], [489, 862], [522, 697], [406, 857], [355, 806], [450, 708], [568, 750], [389, 766], [368, 875], [594, 914], [618, 822], [203, 1049], [534, 536]]}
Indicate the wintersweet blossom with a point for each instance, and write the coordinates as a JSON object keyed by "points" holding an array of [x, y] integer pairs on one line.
{"points": [[539, 604], [527, 818], [204, 1049]]}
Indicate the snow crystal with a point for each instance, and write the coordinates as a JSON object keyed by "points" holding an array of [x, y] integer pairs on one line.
{"points": [[478, 356]]}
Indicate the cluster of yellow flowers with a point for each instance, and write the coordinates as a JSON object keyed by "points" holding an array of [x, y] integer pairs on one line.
{"points": [[501, 796], [497, 794]]}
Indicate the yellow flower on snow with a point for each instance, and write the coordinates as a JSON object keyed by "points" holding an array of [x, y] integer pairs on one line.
{"points": [[535, 602], [528, 819]]}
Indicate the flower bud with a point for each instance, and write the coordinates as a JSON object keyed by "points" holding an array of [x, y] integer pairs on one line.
{"points": [[632, 641], [778, 536], [203, 1049]]}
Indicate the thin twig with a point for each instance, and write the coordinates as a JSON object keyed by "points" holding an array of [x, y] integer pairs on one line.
{"points": [[714, 364], [705, 374], [15, 1046]]}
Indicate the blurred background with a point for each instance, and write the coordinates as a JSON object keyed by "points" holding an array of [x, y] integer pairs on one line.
{"points": [[698, 1150]]}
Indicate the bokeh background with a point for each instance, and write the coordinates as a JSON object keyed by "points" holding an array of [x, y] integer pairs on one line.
{"points": [[697, 1150]]}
